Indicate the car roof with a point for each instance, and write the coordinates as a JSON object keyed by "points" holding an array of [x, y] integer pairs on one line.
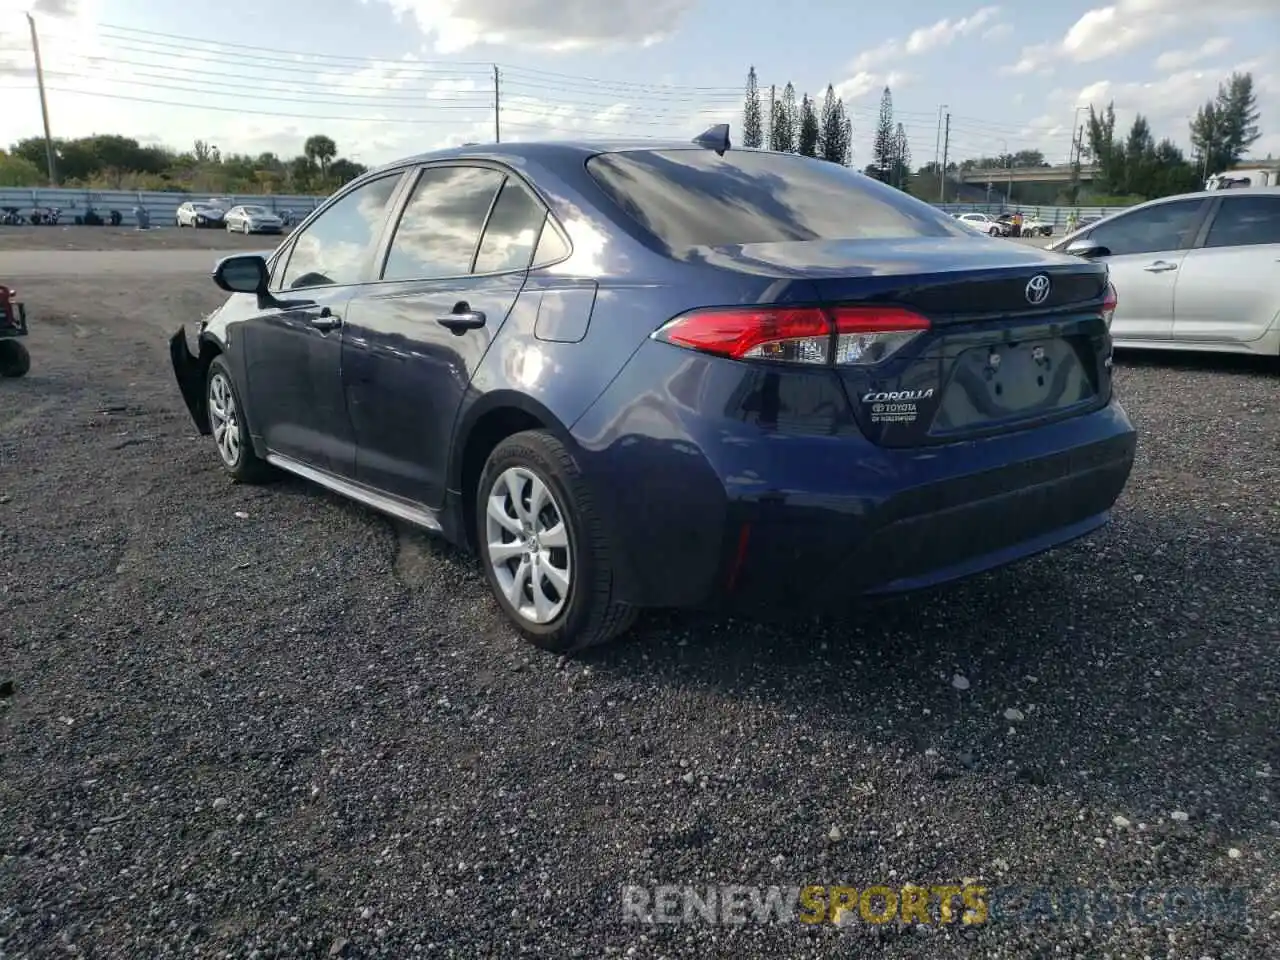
{"points": [[545, 151]]}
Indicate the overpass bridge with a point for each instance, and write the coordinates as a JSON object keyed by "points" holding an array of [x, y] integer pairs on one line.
{"points": [[998, 175]]}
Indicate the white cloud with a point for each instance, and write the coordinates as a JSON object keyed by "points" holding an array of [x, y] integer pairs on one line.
{"points": [[1128, 24], [945, 31], [1181, 59], [998, 32], [865, 73], [557, 25]]}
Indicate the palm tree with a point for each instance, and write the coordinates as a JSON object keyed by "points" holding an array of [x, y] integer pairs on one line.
{"points": [[320, 150]]}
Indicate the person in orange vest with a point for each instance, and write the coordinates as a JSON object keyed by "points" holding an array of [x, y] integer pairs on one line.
{"points": [[1017, 224]]}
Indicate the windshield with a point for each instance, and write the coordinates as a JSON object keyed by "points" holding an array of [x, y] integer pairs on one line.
{"points": [[255, 211], [689, 198]]}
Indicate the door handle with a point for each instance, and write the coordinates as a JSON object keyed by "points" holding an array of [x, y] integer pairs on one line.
{"points": [[1160, 266], [462, 319], [326, 319]]}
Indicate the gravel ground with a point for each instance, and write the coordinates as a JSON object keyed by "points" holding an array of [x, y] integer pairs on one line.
{"points": [[128, 238], [264, 722]]}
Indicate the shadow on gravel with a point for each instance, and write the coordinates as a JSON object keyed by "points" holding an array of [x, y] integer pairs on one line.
{"points": [[1118, 669], [1229, 363]]}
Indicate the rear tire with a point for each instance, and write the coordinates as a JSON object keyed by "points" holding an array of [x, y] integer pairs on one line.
{"points": [[543, 548], [15, 360], [229, 428]]}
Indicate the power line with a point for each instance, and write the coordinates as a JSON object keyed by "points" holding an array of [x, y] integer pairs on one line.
{"points": [[297, 59]]}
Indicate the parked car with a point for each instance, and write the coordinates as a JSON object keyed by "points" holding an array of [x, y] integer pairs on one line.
{"points": [[1200, 271], [194, 213], [672, 375], [251, 218], [984, 223], [1035, 227]]}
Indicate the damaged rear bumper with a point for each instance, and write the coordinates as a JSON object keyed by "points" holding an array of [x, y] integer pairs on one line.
{"points": [[189, 373]]}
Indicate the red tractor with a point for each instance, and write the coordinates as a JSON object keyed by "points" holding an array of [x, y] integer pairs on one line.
{"points": [[14, 358]]}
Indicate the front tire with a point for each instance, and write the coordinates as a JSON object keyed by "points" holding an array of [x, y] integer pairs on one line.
{"points": [[543, 548], [15, 360], [230, 432]]}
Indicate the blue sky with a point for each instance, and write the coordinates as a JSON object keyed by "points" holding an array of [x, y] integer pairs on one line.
{"points": [[391, 77]]}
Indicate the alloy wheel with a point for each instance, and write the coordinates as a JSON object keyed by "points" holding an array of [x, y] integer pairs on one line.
{"points": [[527, 543], [224, 419]]}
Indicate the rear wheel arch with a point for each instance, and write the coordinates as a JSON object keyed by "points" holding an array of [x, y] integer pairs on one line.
{"points": [[485, 427]]}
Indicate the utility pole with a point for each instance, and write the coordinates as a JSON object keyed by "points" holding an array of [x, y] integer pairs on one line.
{"points": [[773, 89], [497, 108], [44, 104], [937, 136], [946, 150]]}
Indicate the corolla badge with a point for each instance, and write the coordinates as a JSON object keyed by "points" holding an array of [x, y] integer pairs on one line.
{"points": [[1038, 289]]}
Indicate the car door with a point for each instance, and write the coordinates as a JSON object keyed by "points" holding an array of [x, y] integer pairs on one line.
{"points": [[1146, 250], [1229, 287], [453, 268], [293, 352]]}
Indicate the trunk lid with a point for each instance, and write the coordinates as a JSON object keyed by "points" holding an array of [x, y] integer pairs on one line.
{"points": [[1001, 353]]}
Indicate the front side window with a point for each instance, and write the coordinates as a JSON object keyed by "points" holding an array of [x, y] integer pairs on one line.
{"points": [[1245, 221], [440, 227], [333, 247], [1166, 226], [691, 198]]}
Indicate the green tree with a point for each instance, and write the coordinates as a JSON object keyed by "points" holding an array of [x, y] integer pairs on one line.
{"points": [[17, 171], [782, 135], [1108, 155], [320, 150], [882, 148], [1139, 160], [1223, 130], [752, 126], [901, 170], [835, 140], [808, 138], [343, 171]]}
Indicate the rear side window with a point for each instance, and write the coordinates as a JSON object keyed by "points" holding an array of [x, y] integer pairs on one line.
{"points": [[441, 223], [690, 198], [1245, 221], [512, 230]]}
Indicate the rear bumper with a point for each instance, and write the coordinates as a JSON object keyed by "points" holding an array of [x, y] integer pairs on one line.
{"points": [[729, 516], [941, 530]]}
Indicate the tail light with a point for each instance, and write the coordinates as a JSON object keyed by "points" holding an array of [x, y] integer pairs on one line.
{"points": [[1109, 303], [818, 336]]}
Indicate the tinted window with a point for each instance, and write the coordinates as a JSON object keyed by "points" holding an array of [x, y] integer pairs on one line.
{"points": [[694, 197], [512, 230], [1245, 220], [332, 248], [437, 234], [551, 245], [1166, 226]]}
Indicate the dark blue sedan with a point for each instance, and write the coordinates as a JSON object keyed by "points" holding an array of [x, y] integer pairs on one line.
{"points": [[670, 375]]}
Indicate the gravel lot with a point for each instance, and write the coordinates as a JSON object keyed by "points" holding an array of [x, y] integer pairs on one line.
{"points": [[269, 723]]}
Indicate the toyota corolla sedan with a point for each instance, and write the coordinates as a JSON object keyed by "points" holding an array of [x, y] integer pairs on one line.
{"points": [[669, 375]]}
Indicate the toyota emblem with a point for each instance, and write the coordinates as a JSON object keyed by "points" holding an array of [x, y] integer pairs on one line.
{"points": [[1038, 289]]}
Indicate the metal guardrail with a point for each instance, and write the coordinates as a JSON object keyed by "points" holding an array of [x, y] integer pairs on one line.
{"points": [[1058, 216], [160, 206]]}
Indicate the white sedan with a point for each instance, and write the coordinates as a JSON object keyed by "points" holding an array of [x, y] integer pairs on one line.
{"points": [[982, 223], [251, 218], [1200, 271]]}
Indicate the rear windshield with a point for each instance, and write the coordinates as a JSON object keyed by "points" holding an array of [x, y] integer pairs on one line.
{"points": [[690, 198]]}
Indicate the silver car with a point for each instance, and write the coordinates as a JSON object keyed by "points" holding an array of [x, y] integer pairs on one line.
{"points": [[251, 218], [1200, 271]]}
